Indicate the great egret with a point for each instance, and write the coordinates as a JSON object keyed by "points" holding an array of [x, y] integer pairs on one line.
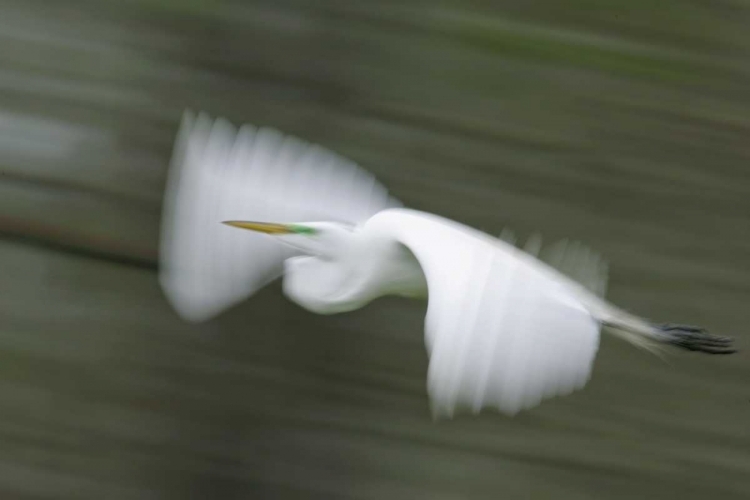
{"points": [[504, 328]]}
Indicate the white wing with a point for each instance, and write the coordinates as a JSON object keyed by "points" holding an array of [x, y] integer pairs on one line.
{"points": [[503, 329], [571, 258], [580, 263], [220, 173]]}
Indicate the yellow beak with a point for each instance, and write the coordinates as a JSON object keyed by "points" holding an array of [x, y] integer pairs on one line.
{"points": [[270, 227], [261, 227]]}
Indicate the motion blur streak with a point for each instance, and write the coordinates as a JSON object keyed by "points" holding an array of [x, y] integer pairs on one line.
{"points": [[622, 124]]}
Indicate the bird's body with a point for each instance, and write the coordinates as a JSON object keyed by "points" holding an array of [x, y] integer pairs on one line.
{"points": [[504, 328], [371, 263]]}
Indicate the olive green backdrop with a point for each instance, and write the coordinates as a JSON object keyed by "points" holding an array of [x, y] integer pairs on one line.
{"points": [[621, 123]]}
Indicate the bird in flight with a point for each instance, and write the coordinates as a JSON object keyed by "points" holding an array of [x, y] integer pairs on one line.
{"points": [[506, 327]]}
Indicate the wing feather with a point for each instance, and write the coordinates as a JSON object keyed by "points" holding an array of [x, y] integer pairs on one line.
{"points": [[217, 173], [503, 330], [579, 263], [571, 258]]}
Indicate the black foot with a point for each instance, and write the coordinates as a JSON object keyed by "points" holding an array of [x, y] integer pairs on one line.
{"points": [[695, 338]]}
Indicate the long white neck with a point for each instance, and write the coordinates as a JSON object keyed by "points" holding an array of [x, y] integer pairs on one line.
{"points": [[371, 267]]}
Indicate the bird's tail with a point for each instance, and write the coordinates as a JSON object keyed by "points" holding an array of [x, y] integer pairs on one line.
{"points": [[654, 337]]}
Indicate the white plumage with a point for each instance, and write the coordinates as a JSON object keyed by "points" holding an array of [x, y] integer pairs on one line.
{"points": [[219, 173], [505, 328], [501, 330]]}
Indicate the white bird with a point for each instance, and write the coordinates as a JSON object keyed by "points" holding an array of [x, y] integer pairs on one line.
{"points": [[505, 328]]}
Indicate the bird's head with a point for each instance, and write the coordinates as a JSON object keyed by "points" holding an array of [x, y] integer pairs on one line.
{"points": [[319, 239], [316, 280]]}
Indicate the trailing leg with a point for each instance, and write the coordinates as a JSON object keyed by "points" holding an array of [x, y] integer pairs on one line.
{"points": [[695, 338]]}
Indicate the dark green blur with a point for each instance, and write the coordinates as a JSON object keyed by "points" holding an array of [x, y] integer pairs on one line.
{"points": [[623, 124]]}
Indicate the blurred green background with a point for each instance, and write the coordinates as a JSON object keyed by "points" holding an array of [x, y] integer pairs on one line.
{"points": [[623, 124]]}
